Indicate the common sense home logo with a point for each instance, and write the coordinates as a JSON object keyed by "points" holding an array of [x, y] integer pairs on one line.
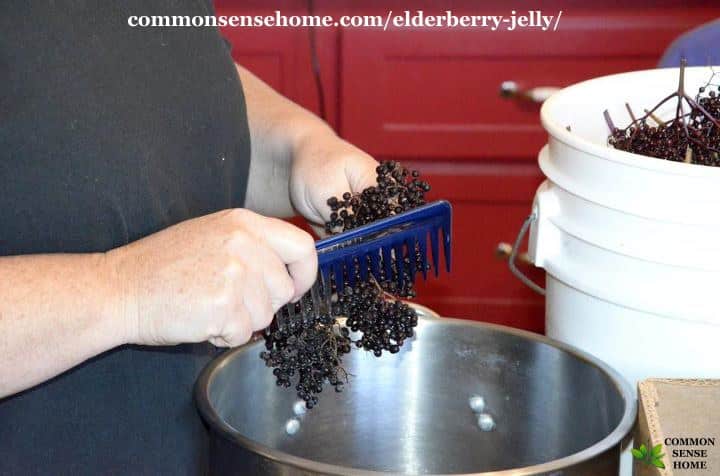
{"points": [[651, 457], [686, 453]]}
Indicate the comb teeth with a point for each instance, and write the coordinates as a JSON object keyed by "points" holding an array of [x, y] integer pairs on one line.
{"points": [[411, 250], [326, 291], [422, 247], [387, 262], [446, 245], [380, 247], [350, 270], [338, 274], [375, 263], [363, 264], [317, 304], [399, 260], [435, 251]]}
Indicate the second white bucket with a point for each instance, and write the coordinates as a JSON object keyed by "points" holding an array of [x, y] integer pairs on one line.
{"points": [[631, 244]]}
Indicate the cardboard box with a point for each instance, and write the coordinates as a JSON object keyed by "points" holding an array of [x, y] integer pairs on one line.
{"points": [[683, 417]]}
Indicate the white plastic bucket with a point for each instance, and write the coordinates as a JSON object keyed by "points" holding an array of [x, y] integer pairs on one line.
{"points": [[631, 244]]}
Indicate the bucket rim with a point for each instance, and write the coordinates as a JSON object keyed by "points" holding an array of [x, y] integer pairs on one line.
{"points": [[560, 133], [611, 440]]}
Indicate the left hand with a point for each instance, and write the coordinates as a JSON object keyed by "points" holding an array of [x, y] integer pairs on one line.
{"points": [[324, 166]]}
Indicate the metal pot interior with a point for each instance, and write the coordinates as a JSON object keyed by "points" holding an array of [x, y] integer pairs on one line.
{"points": [[409, 412]]}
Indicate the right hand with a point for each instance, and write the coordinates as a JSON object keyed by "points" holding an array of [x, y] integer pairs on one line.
{"points": [[218, 278]]}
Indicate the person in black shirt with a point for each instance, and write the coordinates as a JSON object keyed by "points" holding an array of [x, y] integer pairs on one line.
{"points": [[138, 171]]}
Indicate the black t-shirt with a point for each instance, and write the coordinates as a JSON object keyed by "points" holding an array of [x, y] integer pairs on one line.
{"points": [[107, 134]]}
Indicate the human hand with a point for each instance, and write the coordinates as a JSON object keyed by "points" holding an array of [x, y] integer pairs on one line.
{"points": [[324, 166], [218, 277]]}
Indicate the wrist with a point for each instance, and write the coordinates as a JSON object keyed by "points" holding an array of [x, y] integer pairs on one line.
{"points": [[311, 132], [119, 308]]}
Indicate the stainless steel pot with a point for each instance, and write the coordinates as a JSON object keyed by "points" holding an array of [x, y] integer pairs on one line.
{"points": [[557, 410]]}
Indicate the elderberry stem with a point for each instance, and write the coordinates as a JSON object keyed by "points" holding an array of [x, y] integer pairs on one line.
{"points": [[609, 121]]}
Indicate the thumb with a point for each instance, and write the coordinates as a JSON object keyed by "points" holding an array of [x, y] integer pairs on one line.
{"points": [[361, 172]]}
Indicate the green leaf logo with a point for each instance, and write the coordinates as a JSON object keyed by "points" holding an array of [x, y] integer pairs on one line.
{"points": [[650, 458]]}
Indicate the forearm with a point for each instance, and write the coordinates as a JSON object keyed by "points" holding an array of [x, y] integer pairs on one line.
{"points": [[56, 311], [277, 128]]}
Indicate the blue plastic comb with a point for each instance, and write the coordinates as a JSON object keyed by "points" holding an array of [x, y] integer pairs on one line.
{"points": [[380, 249]]}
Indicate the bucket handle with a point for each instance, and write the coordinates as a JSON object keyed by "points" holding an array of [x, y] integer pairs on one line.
{"points": [[514, 253]]}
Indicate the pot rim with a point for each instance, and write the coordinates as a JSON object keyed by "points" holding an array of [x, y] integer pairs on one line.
{"points": [[560, 133], [614, 438]]}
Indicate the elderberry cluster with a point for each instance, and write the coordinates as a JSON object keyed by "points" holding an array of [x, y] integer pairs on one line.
{"points": [[384, 323], [398, 189], [692, 136], [312, 350]]}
